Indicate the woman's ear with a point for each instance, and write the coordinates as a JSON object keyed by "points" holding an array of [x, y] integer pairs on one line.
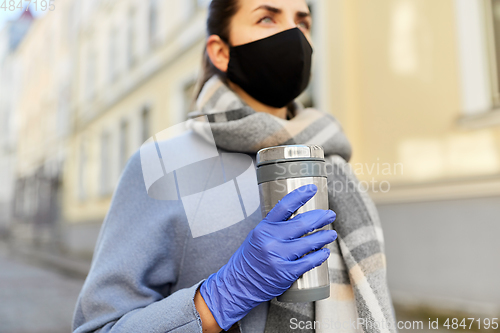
{"points": [[218, 52]]}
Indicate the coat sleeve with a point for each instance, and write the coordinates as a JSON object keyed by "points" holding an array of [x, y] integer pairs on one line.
{"points": [[135, 263]]}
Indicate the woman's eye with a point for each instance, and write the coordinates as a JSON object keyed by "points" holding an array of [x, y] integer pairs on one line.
{"points": [[266, 19], [304, 25]]}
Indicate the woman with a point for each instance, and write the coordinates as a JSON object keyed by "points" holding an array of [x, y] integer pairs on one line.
{"points": [[150, 274]]}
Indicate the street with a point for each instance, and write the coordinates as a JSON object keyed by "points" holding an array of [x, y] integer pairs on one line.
{"points": [[34, 299]]}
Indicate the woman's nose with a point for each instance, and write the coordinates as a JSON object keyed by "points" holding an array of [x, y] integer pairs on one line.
{"points": [[290, 25]]}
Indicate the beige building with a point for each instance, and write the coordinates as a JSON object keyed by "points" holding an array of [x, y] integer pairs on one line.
{"points": [[11, 34], [41, 121], [414, 84], [138, 67]]}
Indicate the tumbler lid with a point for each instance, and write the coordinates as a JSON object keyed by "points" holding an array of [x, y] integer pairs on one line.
{"points": [[287, 153]]}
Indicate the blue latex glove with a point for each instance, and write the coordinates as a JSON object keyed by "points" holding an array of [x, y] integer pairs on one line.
{"points": [[269, 260]]}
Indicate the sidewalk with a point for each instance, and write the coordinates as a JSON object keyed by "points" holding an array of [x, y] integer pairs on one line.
{"points": [[35, 299], [70, 266]]}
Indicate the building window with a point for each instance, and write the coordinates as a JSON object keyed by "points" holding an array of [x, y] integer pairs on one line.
{"points": [[91, 75], [82, 194], [105, 176], [124, 143], [145, 124], [113, 53], [131, 39], [153, 22]]}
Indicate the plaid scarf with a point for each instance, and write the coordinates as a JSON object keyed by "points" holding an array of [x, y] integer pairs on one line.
{"points": [[359, 299]]}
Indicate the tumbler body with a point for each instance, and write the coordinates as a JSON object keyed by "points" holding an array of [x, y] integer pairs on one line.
{"points": [[280, 170]]}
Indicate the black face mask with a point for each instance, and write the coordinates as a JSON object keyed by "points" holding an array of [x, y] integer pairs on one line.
{"points": [[273, 70]]}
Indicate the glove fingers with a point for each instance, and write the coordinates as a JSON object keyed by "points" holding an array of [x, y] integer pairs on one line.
{"points": [[298, 247], [308, 262], [306, 222], [291, 202]]}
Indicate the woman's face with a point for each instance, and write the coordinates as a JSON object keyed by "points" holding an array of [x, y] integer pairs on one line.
{"points": [[257, 19]]}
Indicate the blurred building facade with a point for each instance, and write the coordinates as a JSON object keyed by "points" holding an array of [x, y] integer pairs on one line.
{"points": [[10, 37], [137, 74], [138, 61], [414, 83], [42, 118], [419, 102]]}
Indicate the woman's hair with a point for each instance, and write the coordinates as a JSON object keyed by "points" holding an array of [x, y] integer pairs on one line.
{"points": [[220, 13]]}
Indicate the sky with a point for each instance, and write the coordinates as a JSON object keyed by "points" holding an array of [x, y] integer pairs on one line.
{"points": [[7, 15]]}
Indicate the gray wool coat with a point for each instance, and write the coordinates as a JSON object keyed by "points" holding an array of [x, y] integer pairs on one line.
{"points": [[147, 266]]}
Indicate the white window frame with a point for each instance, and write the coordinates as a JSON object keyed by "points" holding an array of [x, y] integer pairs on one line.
{"points": [[477, 64]]}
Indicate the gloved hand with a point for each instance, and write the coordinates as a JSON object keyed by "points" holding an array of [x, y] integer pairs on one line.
{"points": [[269, 260]]}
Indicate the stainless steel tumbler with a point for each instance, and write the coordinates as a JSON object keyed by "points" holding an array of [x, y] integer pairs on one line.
{"points": [[280, 170]]}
